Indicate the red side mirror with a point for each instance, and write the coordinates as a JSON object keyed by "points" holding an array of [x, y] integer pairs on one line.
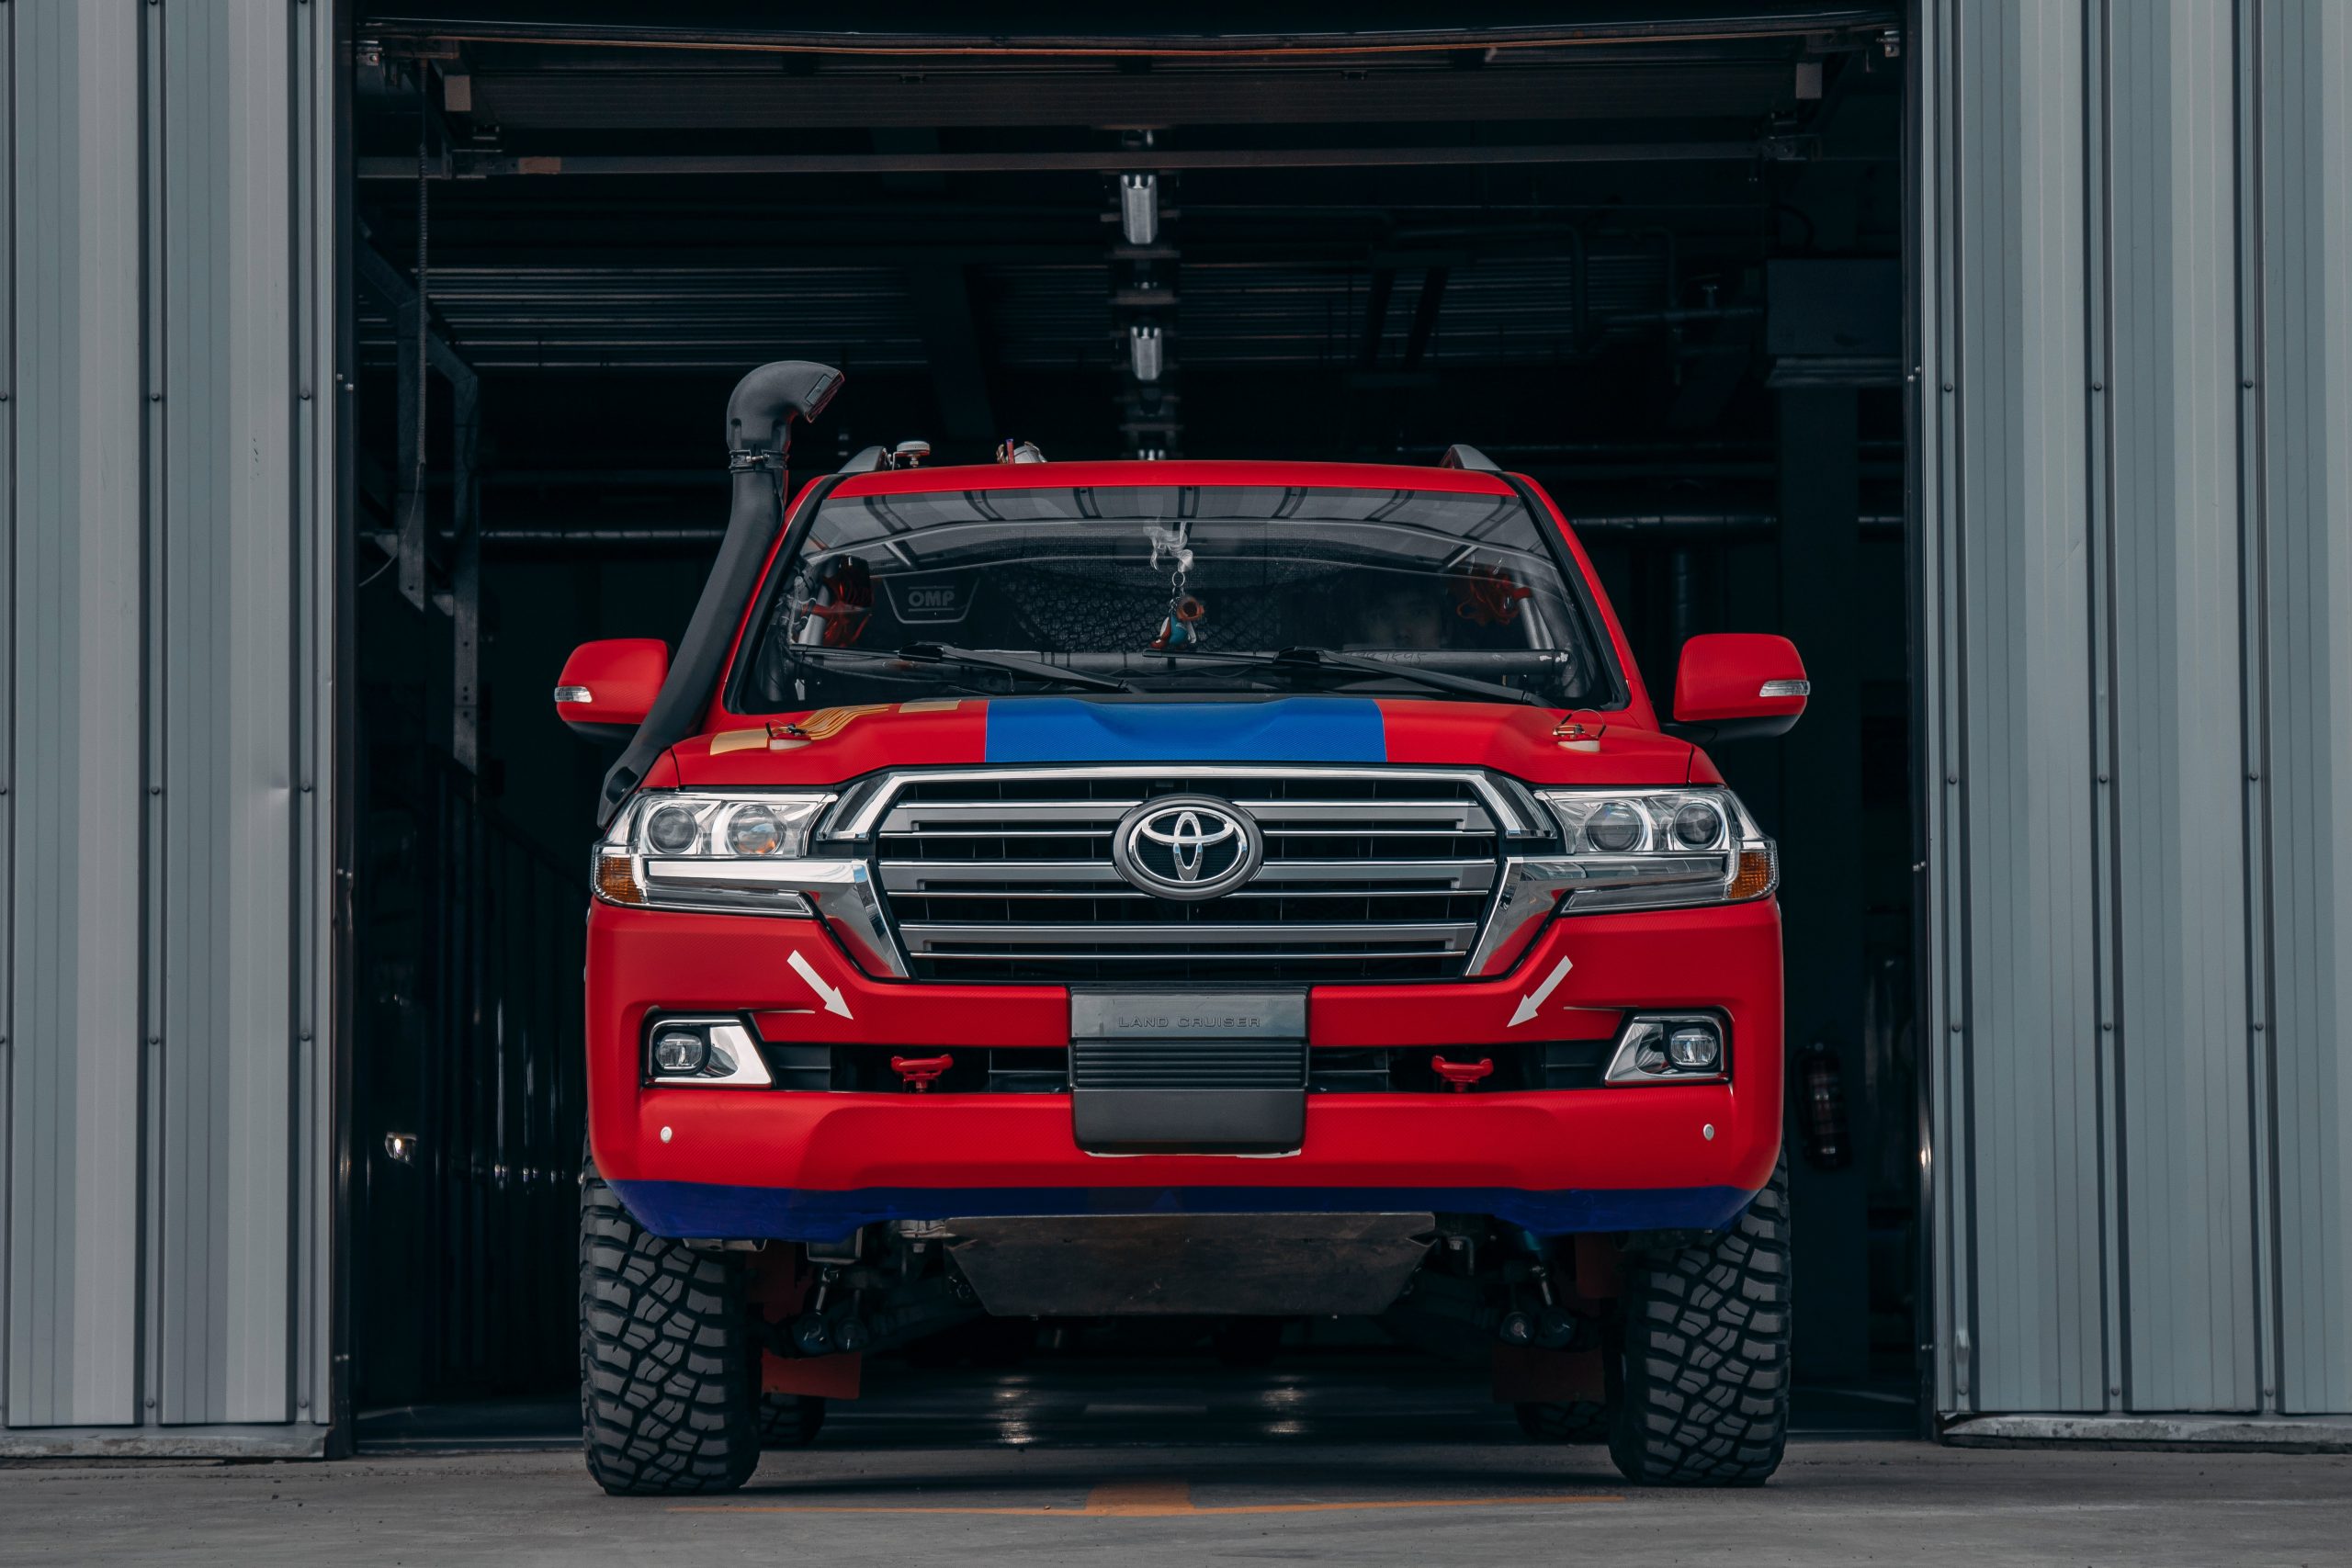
{"points": [[1738, 686], [607, 687]]}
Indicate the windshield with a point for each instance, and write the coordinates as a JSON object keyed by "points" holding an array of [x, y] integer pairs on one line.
{"points": [[1163, 588]]}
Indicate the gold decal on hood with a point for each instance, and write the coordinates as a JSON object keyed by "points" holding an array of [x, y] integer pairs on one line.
{"points": [[728, 740], [822, 725]]}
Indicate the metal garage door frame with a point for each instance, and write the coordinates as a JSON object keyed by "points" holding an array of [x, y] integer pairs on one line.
{"points": [[2129, 224]]}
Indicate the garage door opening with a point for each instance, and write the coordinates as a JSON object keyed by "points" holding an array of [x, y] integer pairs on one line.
{"points": [[1656, 267]]}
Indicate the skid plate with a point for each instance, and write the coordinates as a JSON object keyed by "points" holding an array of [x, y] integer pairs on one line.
{"points": [[1121, 1265]]}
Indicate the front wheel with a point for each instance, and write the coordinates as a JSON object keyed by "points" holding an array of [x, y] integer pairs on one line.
{"points": [[1706, 1367], [667, 1396]]}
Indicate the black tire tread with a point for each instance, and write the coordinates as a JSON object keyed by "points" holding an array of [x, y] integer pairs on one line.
{"points": [[666, 1394], [1706, 1366]]}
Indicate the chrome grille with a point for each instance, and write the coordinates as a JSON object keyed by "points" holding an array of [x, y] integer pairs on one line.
{"points": [[1368, 874]]}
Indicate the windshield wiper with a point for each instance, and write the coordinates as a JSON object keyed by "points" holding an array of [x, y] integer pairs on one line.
{"points": [[1300, 660], [972, 659]]}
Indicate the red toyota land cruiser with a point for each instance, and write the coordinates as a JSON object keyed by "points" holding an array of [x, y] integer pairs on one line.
{"points": [[1252, 889]]}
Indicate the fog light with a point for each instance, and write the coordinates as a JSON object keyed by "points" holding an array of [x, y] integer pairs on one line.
{"points": [[1665, 1048], [1694, 1047], [679, 1051], [706, 1053]]}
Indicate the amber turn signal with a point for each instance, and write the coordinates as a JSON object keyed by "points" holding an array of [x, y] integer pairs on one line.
{"points": [[1757, 875], [617, 878]]}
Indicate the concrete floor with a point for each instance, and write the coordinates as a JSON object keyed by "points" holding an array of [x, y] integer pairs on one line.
{"points": [[1357, 1461]]}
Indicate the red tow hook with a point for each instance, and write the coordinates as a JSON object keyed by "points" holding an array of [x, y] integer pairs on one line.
{"points": [[916, 1072], [1462, 1075]]}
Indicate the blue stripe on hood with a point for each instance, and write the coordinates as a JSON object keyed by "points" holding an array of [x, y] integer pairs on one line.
{"points": [[1287, 730]]}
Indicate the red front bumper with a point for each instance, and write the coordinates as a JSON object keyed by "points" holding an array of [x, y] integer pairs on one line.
{"points": [[713, 1162]]}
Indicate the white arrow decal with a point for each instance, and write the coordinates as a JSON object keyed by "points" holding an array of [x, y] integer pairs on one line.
{"points": [[1532, 1003], [834, 1000]]}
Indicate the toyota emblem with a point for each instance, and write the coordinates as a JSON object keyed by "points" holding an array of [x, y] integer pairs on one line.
{"points": [[1187, 846]]}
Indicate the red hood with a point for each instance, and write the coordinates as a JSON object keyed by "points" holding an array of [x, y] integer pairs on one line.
{"points": [[1538, 745]]}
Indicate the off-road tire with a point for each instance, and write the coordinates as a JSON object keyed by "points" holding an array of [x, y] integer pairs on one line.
{"points": [[667, 1399], [790, 1420], [1706, 1363], [1577, 1421]]}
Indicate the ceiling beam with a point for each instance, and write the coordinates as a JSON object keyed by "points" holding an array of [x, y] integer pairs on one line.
{"points": [[465, 165], [712, 24]]}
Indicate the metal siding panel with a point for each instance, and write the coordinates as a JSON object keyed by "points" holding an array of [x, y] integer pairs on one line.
{"points": [[225, 624], [2182, 1019], [7, 670], [74, 1008], [2306, 470], [2031, 986], [153, 198], [1929, 240], [322, 136]]}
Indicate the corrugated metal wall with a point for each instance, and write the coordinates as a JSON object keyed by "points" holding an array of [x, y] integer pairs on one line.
{"points": [[169, 415], [2300, 472], [2134, 390]]}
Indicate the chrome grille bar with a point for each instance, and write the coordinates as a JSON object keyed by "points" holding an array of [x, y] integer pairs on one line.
{"points": [[924, 936], [939, 877], [1007, 874]]}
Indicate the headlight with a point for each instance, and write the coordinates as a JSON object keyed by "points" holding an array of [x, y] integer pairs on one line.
{"points": [[1652, 849], [687, 850]]}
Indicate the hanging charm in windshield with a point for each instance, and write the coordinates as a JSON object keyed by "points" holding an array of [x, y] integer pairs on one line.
{"points": [[1489, 595], [1182, 628]]}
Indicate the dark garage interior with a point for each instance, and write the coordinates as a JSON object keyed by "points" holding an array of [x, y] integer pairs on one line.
{"points": [[1658, 268]]}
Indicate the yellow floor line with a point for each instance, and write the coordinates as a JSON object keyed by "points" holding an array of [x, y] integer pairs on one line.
{"points": [[1141, 1497], [1406, 1503], [1145, 1499]]}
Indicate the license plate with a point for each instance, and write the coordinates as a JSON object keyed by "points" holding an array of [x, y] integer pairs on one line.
{"points": [[1193, 1072], [1187, 1015]]}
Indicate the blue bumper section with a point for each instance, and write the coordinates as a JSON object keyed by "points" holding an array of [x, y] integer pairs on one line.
{"points": [[1287, 730], [706, 1209]]}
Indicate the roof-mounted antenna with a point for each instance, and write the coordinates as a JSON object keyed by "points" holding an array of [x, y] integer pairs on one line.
{"points": [[1460, 456]]}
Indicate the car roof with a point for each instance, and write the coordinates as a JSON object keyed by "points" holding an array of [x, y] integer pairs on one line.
{"points": [[1183, 471]]}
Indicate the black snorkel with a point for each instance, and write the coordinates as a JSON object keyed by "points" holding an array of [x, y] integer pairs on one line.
{"points": [[758, 438]]}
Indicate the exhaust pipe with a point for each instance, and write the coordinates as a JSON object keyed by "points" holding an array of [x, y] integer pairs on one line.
{"points": [[759, 413]]}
